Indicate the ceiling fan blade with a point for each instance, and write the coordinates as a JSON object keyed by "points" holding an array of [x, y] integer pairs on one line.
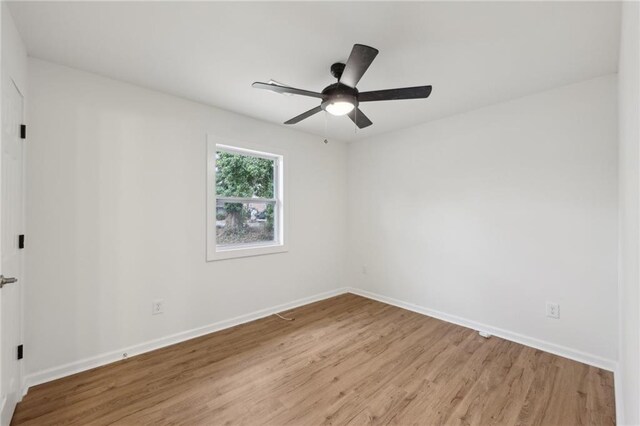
{"points": [[419, 92], [358, 117], [359, 60], [304, 115], [284, 89]]}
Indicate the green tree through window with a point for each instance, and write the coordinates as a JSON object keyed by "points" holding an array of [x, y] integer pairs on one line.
{"points": [[248, 177]]}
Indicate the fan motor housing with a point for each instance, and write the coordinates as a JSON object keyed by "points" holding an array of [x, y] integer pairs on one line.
{"points": [[339, 93]]}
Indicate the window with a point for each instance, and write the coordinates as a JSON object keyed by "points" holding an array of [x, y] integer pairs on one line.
{"points": [[245, 202]]}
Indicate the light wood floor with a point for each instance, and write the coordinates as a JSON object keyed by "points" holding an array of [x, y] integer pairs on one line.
{"points": [[345, 360]]}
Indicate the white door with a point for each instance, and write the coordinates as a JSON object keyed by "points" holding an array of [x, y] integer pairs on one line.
{"points": [[10, 255]]}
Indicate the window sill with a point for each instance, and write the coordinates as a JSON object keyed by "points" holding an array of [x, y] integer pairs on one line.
{"points": [[236, 252]]}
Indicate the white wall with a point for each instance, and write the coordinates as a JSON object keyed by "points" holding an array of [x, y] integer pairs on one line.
{"points": [[116, 217], [14, 53], [487, 215], [628, 374]]}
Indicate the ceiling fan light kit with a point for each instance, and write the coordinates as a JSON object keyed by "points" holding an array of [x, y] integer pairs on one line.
{"points": [[339, 108], [342, 98]]}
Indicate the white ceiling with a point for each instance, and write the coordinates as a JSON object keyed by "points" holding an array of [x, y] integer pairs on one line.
{"points": [[474, 54]]}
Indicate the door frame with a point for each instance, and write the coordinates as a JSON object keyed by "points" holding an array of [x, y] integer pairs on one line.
{"points": [[21, 383]]}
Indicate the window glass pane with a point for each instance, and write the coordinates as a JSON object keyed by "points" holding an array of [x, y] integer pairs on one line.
{"points": [[242, 223], [244, 176]]}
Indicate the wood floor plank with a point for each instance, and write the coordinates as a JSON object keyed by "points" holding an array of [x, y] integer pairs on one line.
{"points": [[344, 360]]}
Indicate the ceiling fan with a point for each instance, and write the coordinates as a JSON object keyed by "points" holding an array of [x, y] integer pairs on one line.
{"points": [[342, 98]]}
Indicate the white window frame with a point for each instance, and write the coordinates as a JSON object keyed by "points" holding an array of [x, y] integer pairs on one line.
{"points": [[214, 252]]}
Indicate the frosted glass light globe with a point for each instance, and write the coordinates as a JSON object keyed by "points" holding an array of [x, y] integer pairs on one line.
{"points": [[340, 108]]}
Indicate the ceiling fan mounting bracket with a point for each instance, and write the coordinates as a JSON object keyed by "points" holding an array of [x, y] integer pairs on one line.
{"points": [[337, 69]]}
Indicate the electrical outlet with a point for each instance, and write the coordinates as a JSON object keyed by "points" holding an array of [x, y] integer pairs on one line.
{"points": [[157, 307], [553, 310]]}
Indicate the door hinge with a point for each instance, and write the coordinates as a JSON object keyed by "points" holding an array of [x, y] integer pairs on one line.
{"points": [[20, 352], [23, 131], [21, 241]]}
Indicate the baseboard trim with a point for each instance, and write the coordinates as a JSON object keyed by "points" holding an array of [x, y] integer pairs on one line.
{"points": [[542, 345], [113, 356]]}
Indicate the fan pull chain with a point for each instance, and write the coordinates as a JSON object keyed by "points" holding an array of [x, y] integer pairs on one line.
{"points": [[355, 125], [326, 141]]}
